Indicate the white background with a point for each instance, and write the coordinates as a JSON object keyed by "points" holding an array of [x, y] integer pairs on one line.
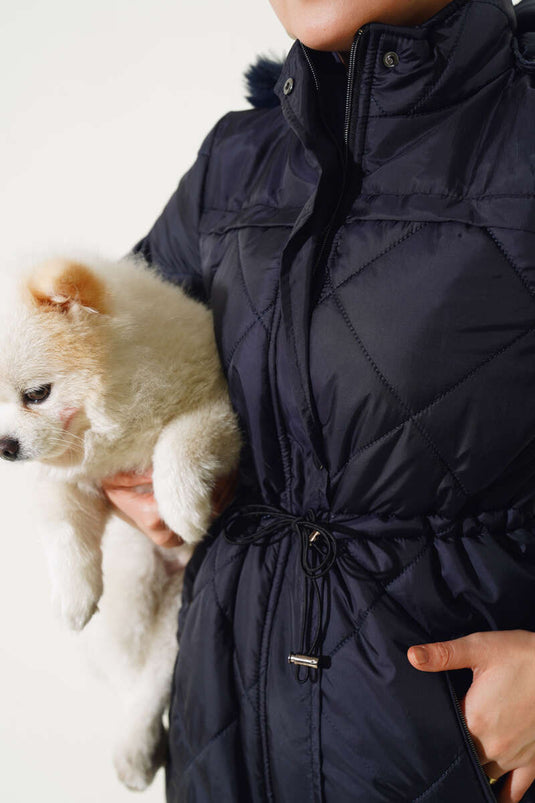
{"points": [[103, 107]]}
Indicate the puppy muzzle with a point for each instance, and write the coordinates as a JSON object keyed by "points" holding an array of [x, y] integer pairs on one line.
{"points": [[9, 448]]}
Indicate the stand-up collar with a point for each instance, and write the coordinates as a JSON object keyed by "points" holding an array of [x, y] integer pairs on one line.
{"points": [[409, 70]]}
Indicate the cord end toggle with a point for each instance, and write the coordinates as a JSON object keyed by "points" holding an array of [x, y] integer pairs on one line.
{"points": [[303, 660]]}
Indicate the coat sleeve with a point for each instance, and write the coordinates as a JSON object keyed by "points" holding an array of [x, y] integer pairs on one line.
{"points": [[172, 244]]}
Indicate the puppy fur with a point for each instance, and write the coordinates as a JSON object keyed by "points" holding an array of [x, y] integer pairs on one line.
{"points": [[106, 368]]}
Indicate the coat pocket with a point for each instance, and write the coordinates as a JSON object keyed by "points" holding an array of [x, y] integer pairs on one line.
{"points": [[469, 743]]}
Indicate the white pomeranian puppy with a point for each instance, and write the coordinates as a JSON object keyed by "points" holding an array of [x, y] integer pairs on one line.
{"points": [[106, 368]]}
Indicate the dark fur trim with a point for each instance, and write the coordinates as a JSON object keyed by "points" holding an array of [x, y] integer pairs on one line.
{"points": [[260, 79], [525, 17]]}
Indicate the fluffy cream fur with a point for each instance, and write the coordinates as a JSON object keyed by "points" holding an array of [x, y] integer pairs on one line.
{"points": [[133, 378]]}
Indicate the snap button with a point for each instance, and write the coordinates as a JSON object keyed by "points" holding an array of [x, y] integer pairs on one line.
{"points": [[391, 59], [288, 86]]}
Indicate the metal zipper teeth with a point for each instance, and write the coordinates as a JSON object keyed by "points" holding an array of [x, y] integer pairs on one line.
{"points": [[471, 741], [317, 85], [314, 76], [351, 81]]}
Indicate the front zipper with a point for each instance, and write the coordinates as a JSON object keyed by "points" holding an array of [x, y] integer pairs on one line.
{"points": [[311, 67], [348, 170], [489, 794], [354, 72], [351, 81]]}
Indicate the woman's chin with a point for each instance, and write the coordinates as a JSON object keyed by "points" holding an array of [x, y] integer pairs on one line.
{"points": [[320, 38]]}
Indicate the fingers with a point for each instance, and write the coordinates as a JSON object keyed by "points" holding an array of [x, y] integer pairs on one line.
{"points": [[132, 495], [135, 504], [517, 784], [466, 652], [159, 533], [128, 480], [492, 769], [165, 538], [223, 493]]}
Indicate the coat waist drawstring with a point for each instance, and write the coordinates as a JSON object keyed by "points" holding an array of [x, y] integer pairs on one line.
{"points": [[319, 552]]}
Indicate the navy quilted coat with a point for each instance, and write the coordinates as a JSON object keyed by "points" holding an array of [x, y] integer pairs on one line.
{"points": [[367, 246]]}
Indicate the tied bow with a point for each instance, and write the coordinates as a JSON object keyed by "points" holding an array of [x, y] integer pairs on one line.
{"points": [[318, 555]]}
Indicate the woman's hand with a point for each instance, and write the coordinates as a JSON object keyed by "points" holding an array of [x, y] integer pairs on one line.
{"points": [[499, 706], [133, 497]]}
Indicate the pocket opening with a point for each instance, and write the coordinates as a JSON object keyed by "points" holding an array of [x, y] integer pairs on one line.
{"points": [[469, 743]]}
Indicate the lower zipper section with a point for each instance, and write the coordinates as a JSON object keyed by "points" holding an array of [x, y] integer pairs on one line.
{"points": [[485, 783]]}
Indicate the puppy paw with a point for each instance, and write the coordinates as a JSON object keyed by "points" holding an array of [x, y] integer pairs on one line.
{"points": [[138, 757], [75, 600], [190, 531], [190, 521]]}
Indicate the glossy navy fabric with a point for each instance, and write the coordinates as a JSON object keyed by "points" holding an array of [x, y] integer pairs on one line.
{"points": [[374, 305]]}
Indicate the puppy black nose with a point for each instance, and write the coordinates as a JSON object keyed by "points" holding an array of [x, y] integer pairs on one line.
{"points": [[9, 448]]}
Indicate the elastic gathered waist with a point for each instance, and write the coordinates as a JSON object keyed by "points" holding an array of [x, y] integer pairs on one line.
{"points": [[518, 522], [514, 521], [331, 543]]}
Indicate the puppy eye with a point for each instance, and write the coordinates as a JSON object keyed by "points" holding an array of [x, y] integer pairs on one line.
{"points": [[36, 395]]}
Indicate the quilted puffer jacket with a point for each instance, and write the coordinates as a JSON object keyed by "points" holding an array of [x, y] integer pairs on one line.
{"points": [[367, 246]]}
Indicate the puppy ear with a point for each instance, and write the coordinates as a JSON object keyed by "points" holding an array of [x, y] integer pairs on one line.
{"points": [[61, 284]]}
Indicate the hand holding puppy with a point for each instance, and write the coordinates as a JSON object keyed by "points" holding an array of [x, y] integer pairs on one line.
{"points": [[132, 495]]}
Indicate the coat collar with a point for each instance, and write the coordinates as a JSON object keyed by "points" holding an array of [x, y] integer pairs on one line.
{"points": [[439, 63]]}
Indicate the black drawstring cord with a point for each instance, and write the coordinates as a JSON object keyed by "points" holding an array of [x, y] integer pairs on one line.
{"points": [[318, 555], [320, 551]]}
